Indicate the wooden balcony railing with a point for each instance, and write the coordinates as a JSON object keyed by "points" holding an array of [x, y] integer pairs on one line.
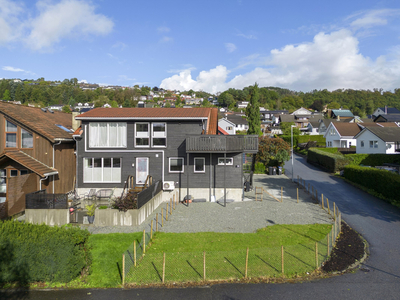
{"points": [[222, 143]]}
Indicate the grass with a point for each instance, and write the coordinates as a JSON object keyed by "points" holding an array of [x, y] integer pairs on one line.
{"points": [[226, 252]]}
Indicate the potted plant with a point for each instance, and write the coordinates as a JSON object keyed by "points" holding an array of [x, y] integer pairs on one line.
{"points": [[90, 212]]}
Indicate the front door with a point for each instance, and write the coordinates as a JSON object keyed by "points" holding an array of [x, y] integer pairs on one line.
{"points": [[142, 169]]}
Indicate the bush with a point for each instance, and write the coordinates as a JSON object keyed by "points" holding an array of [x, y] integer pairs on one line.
{"points": [[304, 139], [30, 253], [272, 151], [128, 202], [383, 182], [330, 150], [331, 161], [259, 168], [373, 159]]}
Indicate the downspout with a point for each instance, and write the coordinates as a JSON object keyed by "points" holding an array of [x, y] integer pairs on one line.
{"points": [[76, 162], [54, 145], [40, 182]]}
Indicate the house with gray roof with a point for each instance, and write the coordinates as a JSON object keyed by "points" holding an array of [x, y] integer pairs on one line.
{"points": [[385, 111], [376, 139]]}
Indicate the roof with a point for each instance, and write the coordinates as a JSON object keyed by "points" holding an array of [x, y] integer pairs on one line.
{"points": [[287, 118], [146, 113], [390, 110], [388, 118], [387, 124], [347, 129], [342, 113], [35, 119], [221, 131], [212, 124], [28, 162], [237, 119], [314, 124], [387, 134]]}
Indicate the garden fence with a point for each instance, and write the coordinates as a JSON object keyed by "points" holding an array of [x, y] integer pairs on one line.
{"points": [[42, 200]]}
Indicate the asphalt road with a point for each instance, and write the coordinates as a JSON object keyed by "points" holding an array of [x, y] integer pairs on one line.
{"points": [[379, 277]]}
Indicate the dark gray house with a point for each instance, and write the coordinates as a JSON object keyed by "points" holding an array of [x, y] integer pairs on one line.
{"points": [[177, 146]]}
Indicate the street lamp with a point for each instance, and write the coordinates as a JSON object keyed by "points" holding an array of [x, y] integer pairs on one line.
{"points": [[291, 137]]}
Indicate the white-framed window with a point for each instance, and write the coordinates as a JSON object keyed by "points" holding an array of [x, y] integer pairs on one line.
{"points": [[176, 165], [3, 181], [362, 144], [101, 169], [142, 169], [159, 134], [107, 135], [329, 144], [142, 134], [11, 135], [13, 173], [373, 144], [228, 161], [199, 164], [26, 139]]}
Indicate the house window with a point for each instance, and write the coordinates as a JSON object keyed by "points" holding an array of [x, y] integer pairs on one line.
{"points": [[142, 134], [159, 137], [362, 144], [102, 170], [26, 139], [373, 144], [229, 128], [3, 181], [199, 165], [13, 173], [107, 134], [23, 172], [11, 135], [228, 161], [176, 165]]}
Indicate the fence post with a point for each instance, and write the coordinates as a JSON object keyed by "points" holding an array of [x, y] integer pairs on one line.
{"points": [[144, 241], [174, 201], [283, 269], [163, 268], [151, 230], [281, 193], [308, 189], [340, 222], [322, 201], [327, 243], [327, 204], [123, 269], [247, 262], [166, 214], [170, 206], [334, 211], [204, 265], [134, 253], [316, 255], [156, 222], [332, 234], [162, 217], [297, 195]]}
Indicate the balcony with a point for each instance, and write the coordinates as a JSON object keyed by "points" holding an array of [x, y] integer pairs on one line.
{"points": [[222, 144]]}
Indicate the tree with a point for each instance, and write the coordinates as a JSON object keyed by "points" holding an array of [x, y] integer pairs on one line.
{"points": [[272, 151], [226, 99], [286, 128], [253, 112], [66, 109], [205, 103], [6, 95], [114, 104]]}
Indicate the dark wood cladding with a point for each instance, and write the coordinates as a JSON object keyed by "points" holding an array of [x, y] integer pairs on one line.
{"points": [[222, 143]]}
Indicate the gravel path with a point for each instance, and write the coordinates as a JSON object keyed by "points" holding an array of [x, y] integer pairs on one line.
{"points": [[245, 216]]}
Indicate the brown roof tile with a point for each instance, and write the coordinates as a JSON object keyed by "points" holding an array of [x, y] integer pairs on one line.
{"points": [[28, 161], [43, 123], [347, 129]]}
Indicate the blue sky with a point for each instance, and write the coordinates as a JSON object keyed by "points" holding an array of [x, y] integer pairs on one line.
{"points": [[204, 45]]}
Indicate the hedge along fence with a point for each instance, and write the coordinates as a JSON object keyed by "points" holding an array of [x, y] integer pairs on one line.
{"points": [[331, 161], [31, 253], [304, 139], [383, 182]]}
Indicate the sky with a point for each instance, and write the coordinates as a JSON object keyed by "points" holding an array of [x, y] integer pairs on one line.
{"points": [[208, 45]]}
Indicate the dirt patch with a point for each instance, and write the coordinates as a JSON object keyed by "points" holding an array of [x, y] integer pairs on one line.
{"points": [[349, 248]]}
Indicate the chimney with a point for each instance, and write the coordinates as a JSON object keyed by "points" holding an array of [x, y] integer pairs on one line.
{"points": [[385, 109], [75, 123]]}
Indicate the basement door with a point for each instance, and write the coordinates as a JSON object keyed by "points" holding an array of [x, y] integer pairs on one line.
{"points": [[142, 169]]}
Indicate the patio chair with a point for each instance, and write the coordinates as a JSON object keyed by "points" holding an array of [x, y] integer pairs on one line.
{"points": [[90, 195]]}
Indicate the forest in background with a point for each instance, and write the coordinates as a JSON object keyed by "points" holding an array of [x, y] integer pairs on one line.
{"points": [[68, 92]]}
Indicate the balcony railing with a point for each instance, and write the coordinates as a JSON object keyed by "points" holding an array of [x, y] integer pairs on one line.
{"points": [[222, 143]]}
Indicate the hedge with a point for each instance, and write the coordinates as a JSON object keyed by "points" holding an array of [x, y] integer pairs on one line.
{"points": [[330, 161], [383, 182], [31, 253], [304, 139], [373, 159]]}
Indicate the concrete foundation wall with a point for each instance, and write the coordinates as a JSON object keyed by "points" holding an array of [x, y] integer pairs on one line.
{"points": [[235, 194], [49, 217]]}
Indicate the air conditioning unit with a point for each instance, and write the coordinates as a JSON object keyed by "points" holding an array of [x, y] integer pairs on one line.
{"points": [[168, 185]]}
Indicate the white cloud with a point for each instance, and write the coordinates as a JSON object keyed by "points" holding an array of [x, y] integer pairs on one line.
{"points": [[10, 26], [330, 61], [372, 18], [166, 39], [120, 45], [230, 47], [12, 69], [83, 81], [163, 29], [247, 36]]}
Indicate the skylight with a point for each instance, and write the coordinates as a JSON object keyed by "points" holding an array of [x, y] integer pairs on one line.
{"points": [[63, 128]]}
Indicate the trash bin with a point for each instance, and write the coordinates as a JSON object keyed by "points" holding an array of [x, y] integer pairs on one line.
{"points": [[270, 171], [273, 170], [279, 170]]}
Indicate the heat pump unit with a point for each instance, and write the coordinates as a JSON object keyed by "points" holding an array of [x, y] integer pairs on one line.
{"points": [[168, 185]]}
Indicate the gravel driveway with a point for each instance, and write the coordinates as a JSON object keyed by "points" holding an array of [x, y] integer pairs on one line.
{"points": [[245, 216]]}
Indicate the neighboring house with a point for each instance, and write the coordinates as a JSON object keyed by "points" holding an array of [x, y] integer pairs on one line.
{"points": [[56, 107], [178, 146], [388, 118], [341, 113], [301, 111], [36, 152], [385, 111], [242, 104], [240, 122], [376, 139], [313, 127], [341, 135], [227, 126], [272, 115]]}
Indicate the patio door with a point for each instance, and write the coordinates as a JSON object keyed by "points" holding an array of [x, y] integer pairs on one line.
{"points": [[142, 169], [343, 144]]}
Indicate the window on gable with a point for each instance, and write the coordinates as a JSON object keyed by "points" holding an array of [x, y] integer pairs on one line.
{"points": [[176, 165], [159, 134], [26, 139], [373, 144], [199, 165], [11, 135], [362, 144], [142, 134], [112, 134]]}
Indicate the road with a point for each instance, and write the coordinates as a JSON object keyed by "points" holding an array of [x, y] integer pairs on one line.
{"points": [[377, 221]]}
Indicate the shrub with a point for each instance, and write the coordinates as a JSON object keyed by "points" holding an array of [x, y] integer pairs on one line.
{"points": [[30, 253], [331, 161], [382, 182], [373, 159], [259, 168], [128, 202], [272, 151]]}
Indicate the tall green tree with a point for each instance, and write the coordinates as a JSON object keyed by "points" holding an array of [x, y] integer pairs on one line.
{"points": [[6, 95], [253, 112]]}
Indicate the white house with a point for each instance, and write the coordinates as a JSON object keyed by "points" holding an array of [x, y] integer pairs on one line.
{"points": [[376, 139], [341, 135], [227, 125]]}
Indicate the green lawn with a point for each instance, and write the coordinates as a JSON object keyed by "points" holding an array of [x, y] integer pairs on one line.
{"points": [[225, 254]]}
